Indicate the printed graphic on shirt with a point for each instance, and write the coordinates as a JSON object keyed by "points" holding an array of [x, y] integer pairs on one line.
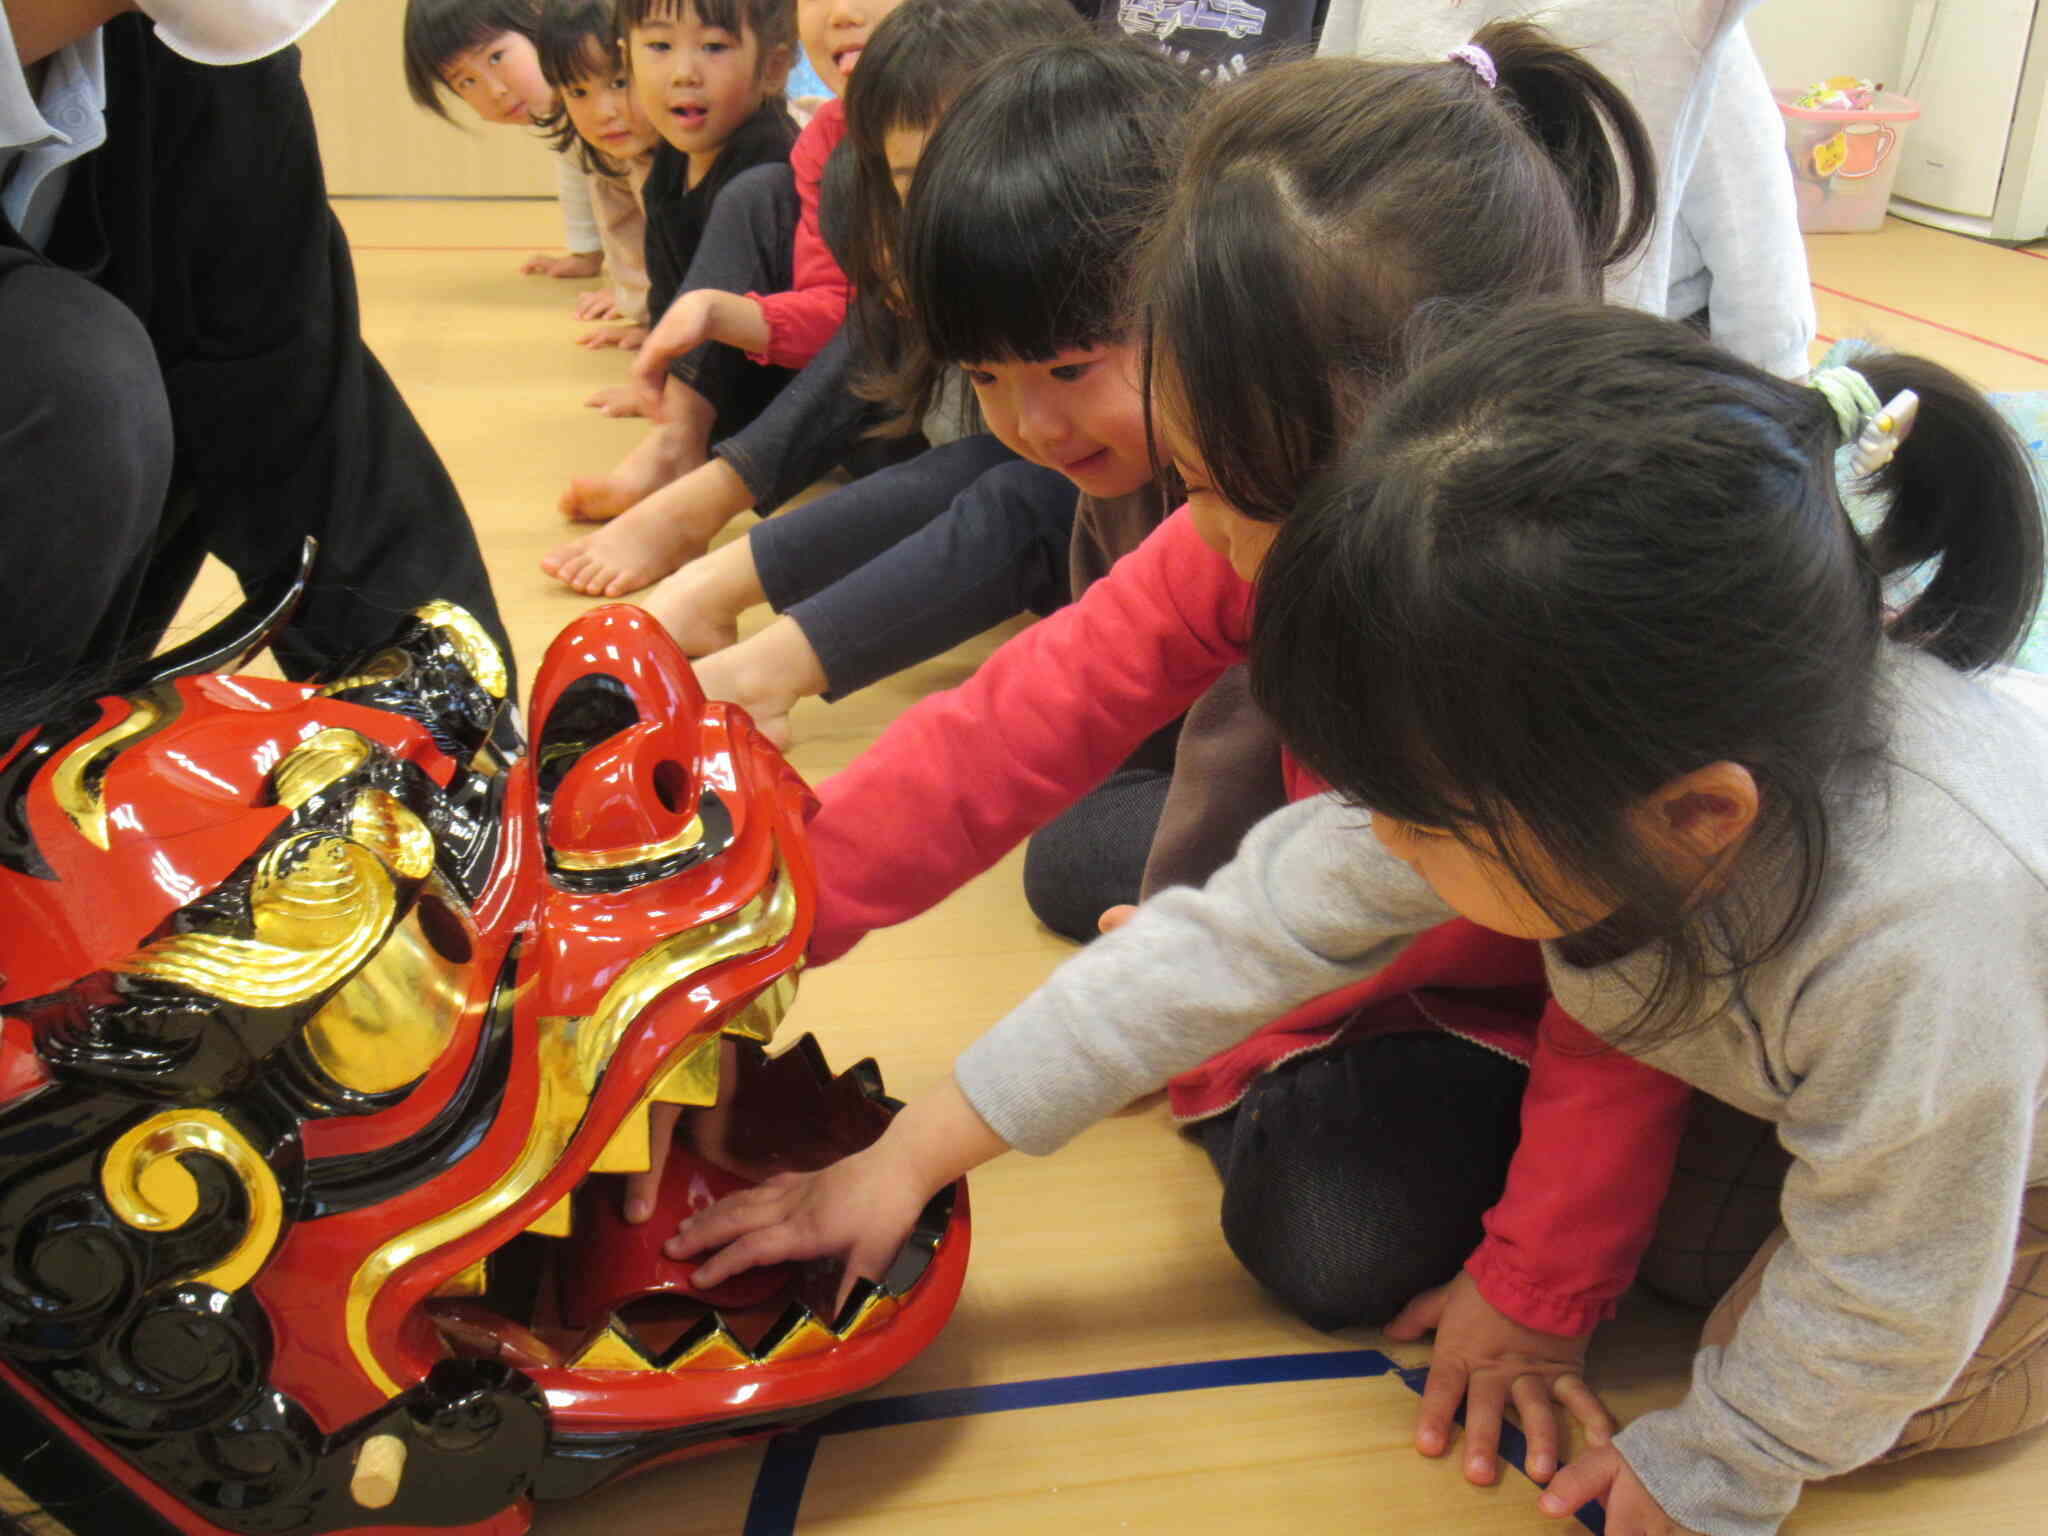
{"points": [[1220, 38], [1163, 18]]}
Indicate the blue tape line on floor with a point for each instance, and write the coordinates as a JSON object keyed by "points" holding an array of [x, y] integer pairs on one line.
{"points": [[779, 1486]]}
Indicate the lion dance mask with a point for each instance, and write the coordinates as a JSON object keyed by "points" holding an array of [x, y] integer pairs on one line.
{"points": [[331, 1017]]}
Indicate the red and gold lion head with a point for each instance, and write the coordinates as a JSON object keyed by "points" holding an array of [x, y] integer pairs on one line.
{"points": [[331, 1018]]}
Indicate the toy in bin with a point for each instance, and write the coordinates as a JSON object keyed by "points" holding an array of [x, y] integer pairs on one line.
{"points": [[1842, 135]]}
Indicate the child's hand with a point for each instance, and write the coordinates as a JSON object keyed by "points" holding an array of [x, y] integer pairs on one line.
{"points": [[1485, 1359], [575, 264], [598, 304], [1601, 1473], [701, 315], [1114, 918], [859, 1210]]}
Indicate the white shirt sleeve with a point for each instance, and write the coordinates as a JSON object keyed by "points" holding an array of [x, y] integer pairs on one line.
{"points": [[579, 221]]}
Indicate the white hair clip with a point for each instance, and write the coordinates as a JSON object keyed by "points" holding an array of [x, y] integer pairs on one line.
{"points": [[1872, 431], [1883, 432]]}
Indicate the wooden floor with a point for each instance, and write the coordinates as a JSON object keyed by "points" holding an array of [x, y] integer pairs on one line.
{"points": [[1105, 1258]]}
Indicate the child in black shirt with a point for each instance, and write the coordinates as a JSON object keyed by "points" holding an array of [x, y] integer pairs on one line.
{"points": [[709, 75]]}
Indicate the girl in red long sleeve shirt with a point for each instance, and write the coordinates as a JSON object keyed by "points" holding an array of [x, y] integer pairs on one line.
{"points": [[1383, 1141]]}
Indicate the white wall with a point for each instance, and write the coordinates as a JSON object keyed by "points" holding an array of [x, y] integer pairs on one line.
{"points": [[1805, 40]]}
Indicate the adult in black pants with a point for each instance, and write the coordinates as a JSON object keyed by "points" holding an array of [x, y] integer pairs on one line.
{"points": [[186, 375]]}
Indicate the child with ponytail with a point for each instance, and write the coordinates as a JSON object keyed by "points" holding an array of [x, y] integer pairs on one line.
{"points": [[1580, 633], [1388, 1153], [1772, 816]]}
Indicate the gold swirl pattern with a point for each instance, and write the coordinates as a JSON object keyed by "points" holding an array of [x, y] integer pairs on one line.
{"points": [[72, 783], [384, 667], [150, 1190], [321, 905], [479, 652], [381, 822], [317, 762], [396, 1017]]}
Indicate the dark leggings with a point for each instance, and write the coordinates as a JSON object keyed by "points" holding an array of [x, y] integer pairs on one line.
{"points": [[1354, 1178], [747, 247], [911, 560], [1092, 856]]}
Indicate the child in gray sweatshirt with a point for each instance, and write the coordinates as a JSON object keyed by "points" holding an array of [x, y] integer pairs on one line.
{"points": [[1581, 635]]}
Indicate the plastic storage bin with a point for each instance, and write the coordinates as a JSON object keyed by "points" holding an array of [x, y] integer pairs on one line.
{"points": [[1844, 161]]}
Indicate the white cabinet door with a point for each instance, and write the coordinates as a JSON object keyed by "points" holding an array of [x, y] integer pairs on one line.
{"points": [[1962, 64]]}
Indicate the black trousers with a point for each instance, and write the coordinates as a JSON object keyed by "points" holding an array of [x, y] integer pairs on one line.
{"points": [[1355, 1178], [186, 375], [748, 246]]}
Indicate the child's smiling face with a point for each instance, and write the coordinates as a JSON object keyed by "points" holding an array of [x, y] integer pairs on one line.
{"points": [[697, 83], [1243, 541], [606, 111], [834, 32], [1080, 412], [500, 80]]}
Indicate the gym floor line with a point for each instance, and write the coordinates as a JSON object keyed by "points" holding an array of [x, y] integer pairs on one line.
{"points": [[786, 1466]]}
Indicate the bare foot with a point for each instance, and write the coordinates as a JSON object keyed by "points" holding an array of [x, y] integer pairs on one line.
{"points": [[698, 627], [575, 264], [765, 675], [669, 451], [700, 605], [616, 400], [627, 336], [643, 545], [593, 499]]}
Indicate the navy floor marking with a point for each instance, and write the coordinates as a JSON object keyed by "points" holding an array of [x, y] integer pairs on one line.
{"points": [[786, 1467]]}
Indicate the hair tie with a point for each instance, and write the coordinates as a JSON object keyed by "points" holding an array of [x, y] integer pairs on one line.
{"points": [[1480, 60], [1873, 430]]}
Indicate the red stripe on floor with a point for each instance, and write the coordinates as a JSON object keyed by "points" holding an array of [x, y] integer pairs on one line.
{"points": [[1907, 314]]}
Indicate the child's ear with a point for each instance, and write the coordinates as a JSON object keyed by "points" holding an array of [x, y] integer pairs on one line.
{"points": [[776, 64], [1703, 814]]}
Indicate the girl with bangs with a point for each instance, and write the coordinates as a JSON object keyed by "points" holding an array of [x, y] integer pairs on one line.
{"points": [[598, 119], [1388, 1151], [482, 53], [1009, 270], [913, 64]]}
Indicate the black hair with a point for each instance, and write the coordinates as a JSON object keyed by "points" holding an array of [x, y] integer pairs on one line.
{"points": [[575, 40], [1583, 553], [1320, 202], [438, 30], [920, 56], [773, 22], [1020, 223], [1017, 237]]}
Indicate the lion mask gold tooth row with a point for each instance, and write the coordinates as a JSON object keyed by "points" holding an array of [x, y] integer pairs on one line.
{"points": [[614, 1348]]}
